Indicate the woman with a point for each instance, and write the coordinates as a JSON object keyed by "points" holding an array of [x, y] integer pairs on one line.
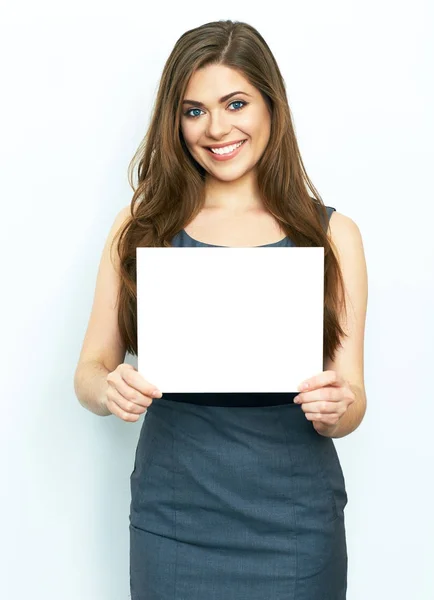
{"points": [[233, 495]]}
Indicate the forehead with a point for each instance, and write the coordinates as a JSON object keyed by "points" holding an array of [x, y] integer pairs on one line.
{"points": [[214, 81]]}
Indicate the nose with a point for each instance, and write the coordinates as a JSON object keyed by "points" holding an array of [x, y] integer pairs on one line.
{"points": [[218, 125]]}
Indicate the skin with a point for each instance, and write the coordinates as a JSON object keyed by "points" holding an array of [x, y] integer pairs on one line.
{"points": [[325, 398], [335, 399]]}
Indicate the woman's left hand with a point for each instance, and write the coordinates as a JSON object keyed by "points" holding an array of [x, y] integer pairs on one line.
{"points": [[325, 400]]}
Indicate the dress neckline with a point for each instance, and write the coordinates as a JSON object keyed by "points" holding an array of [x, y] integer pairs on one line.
{"points": [[216, 246]]}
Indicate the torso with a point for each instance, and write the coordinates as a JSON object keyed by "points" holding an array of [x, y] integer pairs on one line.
{"points": [[253, 228]]}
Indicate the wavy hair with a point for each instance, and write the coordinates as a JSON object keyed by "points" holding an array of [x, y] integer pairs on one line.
{"points": [[170, 189]]}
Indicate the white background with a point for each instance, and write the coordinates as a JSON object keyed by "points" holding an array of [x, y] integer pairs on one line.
{"points": [[78, 80]]}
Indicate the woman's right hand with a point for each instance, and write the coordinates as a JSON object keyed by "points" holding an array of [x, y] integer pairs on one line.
{"points": [[128, 394]]}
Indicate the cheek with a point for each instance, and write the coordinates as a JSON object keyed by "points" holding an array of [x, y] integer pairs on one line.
{"points": [[256, 125], [263, 133], [186, 134], [191, 133]]}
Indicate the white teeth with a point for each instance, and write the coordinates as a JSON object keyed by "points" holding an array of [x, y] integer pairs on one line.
{"points": [[226, 149]]}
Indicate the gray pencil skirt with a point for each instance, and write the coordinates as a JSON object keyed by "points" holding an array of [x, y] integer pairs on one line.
{"points": [[235, 503]]}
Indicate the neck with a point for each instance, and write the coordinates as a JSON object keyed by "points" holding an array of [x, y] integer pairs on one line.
{"points": [[241, 195]]}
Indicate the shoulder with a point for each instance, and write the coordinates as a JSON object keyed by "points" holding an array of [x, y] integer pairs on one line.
{"points": [[345, 237], [120, 219], [346, 240], [343, 230], [117, 225], [124, 214]]}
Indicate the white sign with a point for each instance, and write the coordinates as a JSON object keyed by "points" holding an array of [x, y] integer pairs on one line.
{"points": [[230, 319]]}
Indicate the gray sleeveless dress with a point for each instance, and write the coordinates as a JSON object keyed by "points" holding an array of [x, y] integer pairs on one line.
{"points": [[235, 497]]}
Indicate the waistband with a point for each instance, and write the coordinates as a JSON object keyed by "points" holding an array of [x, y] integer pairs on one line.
{"points": [[236, 399]]}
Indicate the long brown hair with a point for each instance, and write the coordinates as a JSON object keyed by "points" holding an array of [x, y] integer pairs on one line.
{"points": [[170, 190]]}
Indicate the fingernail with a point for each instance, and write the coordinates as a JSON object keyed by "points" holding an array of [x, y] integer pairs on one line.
{"points": [[156, 394]]}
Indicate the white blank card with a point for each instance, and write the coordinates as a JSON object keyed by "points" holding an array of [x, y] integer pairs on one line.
{"points": [[229, 319]]}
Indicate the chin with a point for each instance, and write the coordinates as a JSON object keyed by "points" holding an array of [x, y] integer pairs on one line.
{"points": [[232, 175], [227, 172]]}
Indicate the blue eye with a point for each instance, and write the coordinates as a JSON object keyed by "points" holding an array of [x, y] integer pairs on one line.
{"points": [[194, 116], [238, 102], [187, 114]]}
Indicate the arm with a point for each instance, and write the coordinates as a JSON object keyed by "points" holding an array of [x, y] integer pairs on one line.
{"points": [[90, 387], [353, 417], [349, 359], [103, 349]]}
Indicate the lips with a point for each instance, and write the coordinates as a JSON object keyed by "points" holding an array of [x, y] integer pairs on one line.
{"points": [[218, 146], [225, 156]]}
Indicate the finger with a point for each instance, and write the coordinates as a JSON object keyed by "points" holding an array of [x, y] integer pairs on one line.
{"points": [[115, 408], [127, 406], [312, 416], [121, 414], [321, 380], [326, 394], [138, 382], [321, 408], [325, 419], [127, 393]]}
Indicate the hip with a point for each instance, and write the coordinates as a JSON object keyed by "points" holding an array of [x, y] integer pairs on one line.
{"points": [[248, 460]]}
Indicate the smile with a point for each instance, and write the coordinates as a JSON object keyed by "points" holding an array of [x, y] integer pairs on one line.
{"points": [[226, 152]]}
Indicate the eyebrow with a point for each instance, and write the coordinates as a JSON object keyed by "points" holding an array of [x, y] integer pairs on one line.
{"points": [[223, 99]]}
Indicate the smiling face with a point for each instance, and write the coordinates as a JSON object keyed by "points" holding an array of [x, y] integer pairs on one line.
{"points": [[223, 111]]}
